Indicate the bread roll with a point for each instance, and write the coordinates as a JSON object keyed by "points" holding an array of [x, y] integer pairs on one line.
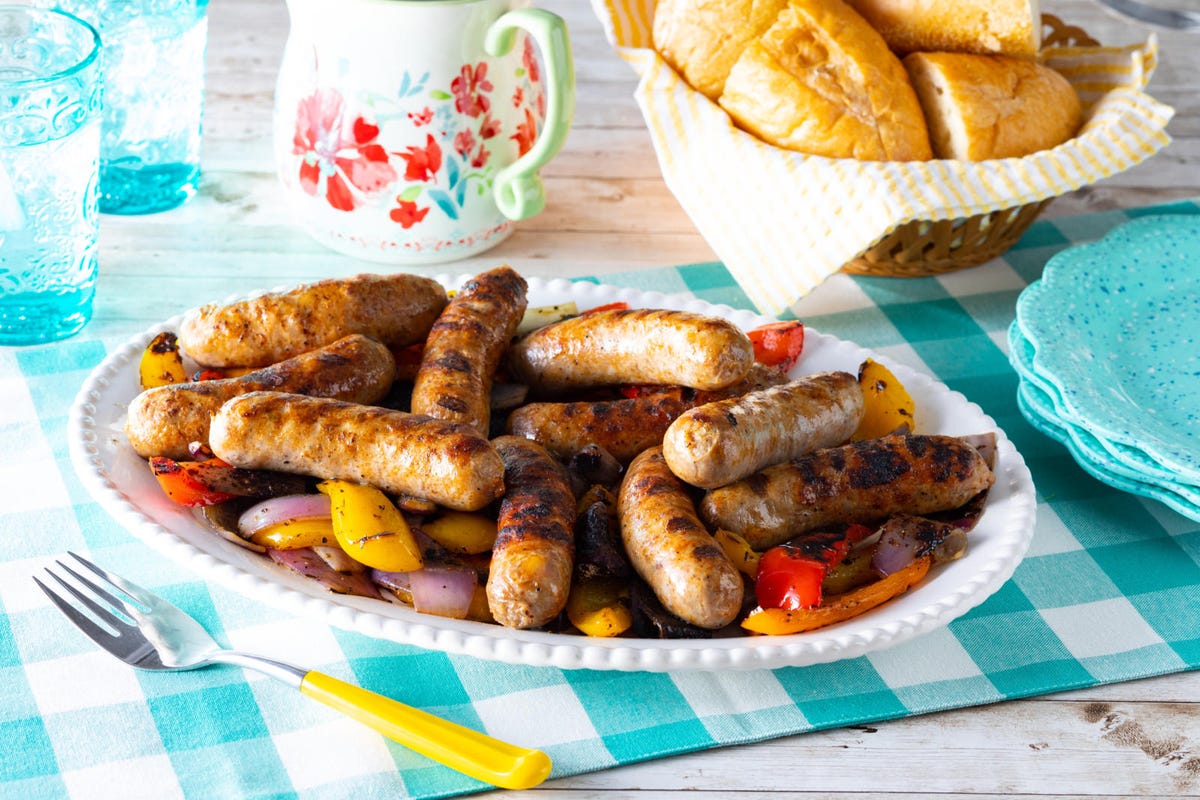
{"points": [[1006, 27], [822, 81], [702, 38], [981, 107]]}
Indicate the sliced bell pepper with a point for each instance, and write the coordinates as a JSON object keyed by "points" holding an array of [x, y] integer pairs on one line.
{"points": [[790, 575], [161, 363], [619, 305], [778, 622], [294, 534], [887, 405], [778, 344], [179, 479], [370, 528]]}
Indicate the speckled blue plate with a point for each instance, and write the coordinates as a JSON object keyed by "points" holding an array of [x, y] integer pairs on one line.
{"points": [[1032, 403], [1118, 457], [1035, 399], [1115, 325]]}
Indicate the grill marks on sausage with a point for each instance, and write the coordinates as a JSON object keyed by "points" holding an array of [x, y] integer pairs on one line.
{"points": [[395, 309], [859, 482], [464, 348], [533, 557], [671, 549], [163, 421]]}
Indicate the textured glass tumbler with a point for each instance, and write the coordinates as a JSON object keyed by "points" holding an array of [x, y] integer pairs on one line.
{"points": [[153, 99], [49, 152]]}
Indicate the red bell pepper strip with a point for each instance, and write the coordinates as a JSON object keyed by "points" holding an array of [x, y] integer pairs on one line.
{"points": [[619, 305], [179, 481], [790, 575], [778, 344]]}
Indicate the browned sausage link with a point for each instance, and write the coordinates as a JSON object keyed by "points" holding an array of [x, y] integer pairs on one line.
{"points": [[860, 482], [670, 548], [534, 554], [633, 346], [395, 309], [400, 453], [464, 348], [163, 421], [721, 442], [622, 427]]}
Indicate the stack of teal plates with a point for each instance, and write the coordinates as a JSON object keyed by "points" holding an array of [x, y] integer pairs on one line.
{"points": [[1107, 346]]}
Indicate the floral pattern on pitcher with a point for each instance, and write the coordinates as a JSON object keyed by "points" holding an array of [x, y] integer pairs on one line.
{"points": [[343, 161]]}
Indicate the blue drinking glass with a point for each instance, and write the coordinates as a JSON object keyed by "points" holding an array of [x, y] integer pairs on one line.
{"points": [[153, 99], [50, 90]]}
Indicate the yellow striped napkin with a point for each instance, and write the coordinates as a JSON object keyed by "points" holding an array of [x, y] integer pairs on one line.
{"points": [[783, 222]]}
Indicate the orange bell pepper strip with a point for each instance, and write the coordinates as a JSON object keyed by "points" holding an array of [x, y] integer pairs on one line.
{"points": [[179, 480], [837, 608]]}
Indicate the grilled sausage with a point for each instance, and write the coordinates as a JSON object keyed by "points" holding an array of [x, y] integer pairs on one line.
{"points": [[670, 548], [720, 442], [395, 309], [465, 346], [534, 554], [622, 427], [633, 346], [399, 453], [163, 421], [860, 482]]}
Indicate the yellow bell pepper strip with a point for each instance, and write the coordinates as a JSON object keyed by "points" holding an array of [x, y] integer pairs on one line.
{"points": [[370, 528], [600, 607], [161, 363], [838, 608], [790, 575], [462, 532], [778, 344], [293, 534], [181, 481], [739, 551], [887, 405]]}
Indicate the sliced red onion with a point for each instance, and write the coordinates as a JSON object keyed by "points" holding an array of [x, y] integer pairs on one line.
{"points": [[445, 592], [282, 509], [905, 538], [985, 443], [306, 562]]}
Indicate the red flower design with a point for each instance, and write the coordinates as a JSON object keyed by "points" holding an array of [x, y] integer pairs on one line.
{"points": [[518, 97], [480, 159], [346, 160], [463, 142], [423, 162], [407, 213], [469, 88], [526, 133], [529, 59], [423, 118], [489, 127]]}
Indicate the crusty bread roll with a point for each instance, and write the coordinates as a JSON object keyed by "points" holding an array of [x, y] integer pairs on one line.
{"points": [[980, 107], [1007, 27], [702, 38], [822, 81]]}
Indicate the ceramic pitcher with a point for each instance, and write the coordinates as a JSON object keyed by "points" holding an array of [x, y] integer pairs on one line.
{"points": [[412, 131]]}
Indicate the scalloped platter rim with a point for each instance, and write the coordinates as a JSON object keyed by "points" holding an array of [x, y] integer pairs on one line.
{"points": [[124, 487]]}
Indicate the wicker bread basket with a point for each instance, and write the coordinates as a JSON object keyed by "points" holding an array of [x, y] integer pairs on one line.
{"points": [[921, 248]]}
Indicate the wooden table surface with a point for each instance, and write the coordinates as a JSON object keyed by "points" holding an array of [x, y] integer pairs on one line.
{"points": [[608, 210]]}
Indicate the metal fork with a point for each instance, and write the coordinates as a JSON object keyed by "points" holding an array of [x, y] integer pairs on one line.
{"points": [[147, 632]]}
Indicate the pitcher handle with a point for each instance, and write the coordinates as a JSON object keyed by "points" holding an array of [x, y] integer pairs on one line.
{"points": [[518, 188]]}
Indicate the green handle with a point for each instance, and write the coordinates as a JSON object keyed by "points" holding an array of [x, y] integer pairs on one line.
{"points": [[518, 189], [466, 750]]}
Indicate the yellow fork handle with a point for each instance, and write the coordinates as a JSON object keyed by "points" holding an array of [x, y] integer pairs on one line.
{"points": [[463, 749]]}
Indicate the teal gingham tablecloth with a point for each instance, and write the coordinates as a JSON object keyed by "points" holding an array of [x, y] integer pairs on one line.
{"points": [[1110, 591]]}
